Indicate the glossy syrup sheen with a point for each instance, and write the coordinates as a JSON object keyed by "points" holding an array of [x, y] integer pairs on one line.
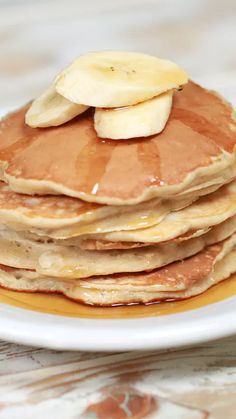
{"points": [[71, 159], [59, 305]]}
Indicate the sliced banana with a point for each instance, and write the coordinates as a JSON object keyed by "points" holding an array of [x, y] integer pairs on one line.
{"points": [[114, 78], [139, 120], [52, 109]]}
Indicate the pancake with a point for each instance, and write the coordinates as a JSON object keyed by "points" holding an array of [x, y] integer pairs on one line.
{"points": [[92, 244], [62, 261], [196, 150], [67, 217], [176, 281], [206, 212], [120, 222]]}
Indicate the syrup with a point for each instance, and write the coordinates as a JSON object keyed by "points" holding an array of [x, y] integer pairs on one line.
{"points": [[59, 305]]}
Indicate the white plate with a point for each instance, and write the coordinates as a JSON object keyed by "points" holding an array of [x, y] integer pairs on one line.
{"points": [[59, 332]]}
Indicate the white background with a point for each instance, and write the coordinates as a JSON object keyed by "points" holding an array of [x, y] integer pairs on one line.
{"points": [[37, 38]]}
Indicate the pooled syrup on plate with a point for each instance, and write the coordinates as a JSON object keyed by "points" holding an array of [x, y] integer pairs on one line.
{"points": [[59, 305]]}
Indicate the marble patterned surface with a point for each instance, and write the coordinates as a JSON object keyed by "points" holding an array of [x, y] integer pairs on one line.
{"points": [[193, 383], [37, 38]]}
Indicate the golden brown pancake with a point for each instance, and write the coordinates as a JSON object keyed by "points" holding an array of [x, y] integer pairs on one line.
{"points": [[195, 150], [100, 227], [58, 260], [204, 213], [176, 281], [92, 244], [120, 222], [66, 216]]}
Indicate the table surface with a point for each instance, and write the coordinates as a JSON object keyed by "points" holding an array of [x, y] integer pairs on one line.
{"points": [[193, 383], [36, 40]]}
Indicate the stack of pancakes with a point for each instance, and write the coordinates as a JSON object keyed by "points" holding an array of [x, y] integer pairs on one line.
{"points": [[115, 222]]}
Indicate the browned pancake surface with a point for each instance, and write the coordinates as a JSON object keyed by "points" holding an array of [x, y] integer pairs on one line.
{"points": [[50, 206], [177, 275], [71, 155]]}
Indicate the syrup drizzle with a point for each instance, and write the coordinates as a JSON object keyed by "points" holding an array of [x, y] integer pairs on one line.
{"points": [[59, 305]]}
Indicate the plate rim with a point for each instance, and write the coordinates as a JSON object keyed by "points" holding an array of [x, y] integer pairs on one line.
{"points": [[58, 332]]}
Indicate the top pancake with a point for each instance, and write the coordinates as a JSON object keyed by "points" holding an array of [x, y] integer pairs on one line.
{"points": [[194, 150]]}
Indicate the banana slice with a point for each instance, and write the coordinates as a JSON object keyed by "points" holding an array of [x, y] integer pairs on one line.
{"points": [[140, 120], [52, 109], [114, 78]]}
